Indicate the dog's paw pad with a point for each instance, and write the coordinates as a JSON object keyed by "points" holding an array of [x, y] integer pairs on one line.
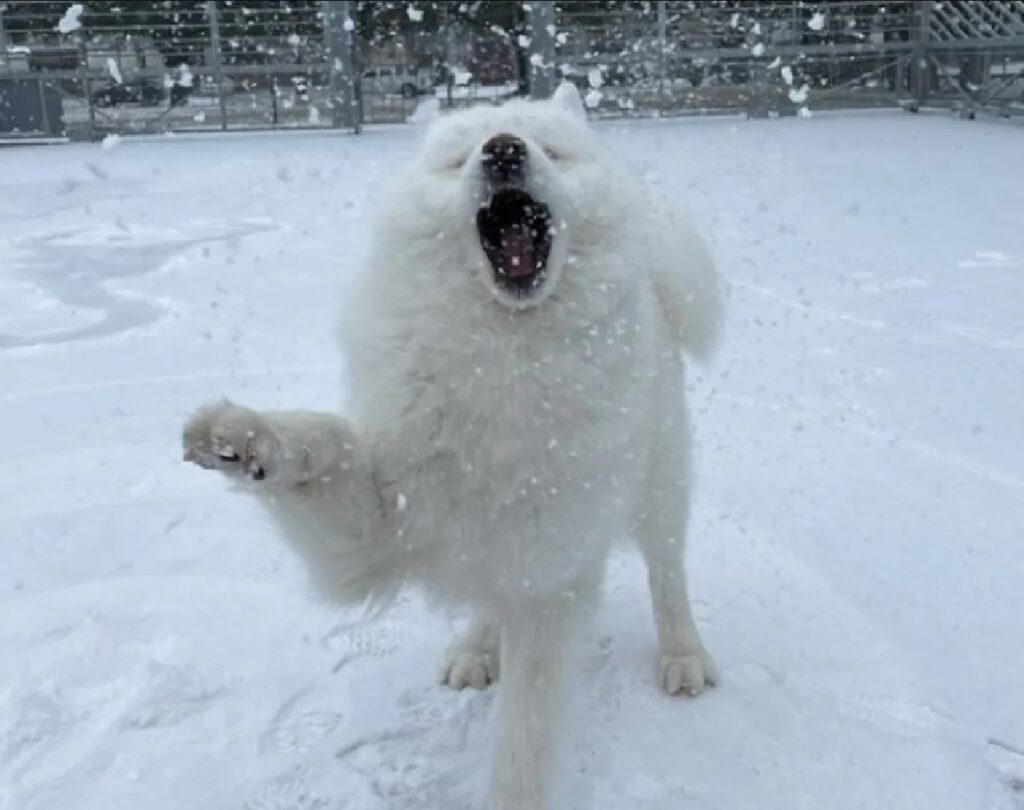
{"points": [[476, 670], [225, 437], [688, 674]]}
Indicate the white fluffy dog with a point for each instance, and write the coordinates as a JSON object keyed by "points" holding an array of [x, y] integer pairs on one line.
{"points": [[515, 353]]}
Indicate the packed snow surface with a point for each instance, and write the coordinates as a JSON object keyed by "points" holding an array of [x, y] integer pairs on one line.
{"points": [[857, 547]]}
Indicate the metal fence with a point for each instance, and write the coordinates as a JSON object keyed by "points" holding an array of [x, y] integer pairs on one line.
{"points": [[174, 66], [763, 59], [83, 70]]}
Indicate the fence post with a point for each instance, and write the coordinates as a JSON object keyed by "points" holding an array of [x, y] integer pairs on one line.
{"points": [[450, 43], [44, 113], [218, 63], [662, 53], [3, 39], [541, 25], [338, 30], [920, 69], [86, 79]]}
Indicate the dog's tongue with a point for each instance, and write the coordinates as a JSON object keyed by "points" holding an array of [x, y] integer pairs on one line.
{"points": [[517, 250]]}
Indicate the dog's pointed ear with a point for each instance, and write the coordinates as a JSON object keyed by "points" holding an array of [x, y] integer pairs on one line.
{"points": [[568, 98], [427, 111]]}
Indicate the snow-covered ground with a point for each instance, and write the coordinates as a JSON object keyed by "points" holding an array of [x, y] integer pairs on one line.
{"points": [[857, 551]]}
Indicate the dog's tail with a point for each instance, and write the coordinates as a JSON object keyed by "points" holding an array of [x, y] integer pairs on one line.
{"points": [[689, 292]]}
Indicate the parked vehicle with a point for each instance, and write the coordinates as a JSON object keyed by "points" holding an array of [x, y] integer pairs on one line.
{"points": [[403, 80], [144, 92]]}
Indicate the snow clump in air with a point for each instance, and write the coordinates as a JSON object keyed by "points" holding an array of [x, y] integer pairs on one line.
{"points": [[70, 21]]}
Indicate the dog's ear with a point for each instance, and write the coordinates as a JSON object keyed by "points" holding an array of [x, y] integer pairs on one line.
{"points": [[427, 111], [568, 98]]}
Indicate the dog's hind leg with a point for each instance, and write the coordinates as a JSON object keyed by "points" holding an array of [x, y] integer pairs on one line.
{"points": [[685, 666], [473, 659]]}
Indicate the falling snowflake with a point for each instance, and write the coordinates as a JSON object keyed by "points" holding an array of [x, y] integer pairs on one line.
{"points": [[111, 142], [804, 112], [70, 21], [593, 98], [415, 14], [817, 22], [799, 95], [595, 77], [758, 49], [113, 69], [787, 74], [348, 25]]}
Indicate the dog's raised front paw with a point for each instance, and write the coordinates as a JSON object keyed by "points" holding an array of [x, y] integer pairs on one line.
{"points": [[227, 437], [688, 673]]}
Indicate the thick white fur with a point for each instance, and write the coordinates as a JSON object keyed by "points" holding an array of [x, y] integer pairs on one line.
{"points": [[497, 447]]}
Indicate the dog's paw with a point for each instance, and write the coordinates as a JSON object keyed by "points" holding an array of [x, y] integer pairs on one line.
{"points": [[470, 668], [688, 673], [223, 436]]}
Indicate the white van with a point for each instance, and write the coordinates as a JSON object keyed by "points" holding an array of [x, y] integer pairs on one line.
{"points": [[403, 80]]}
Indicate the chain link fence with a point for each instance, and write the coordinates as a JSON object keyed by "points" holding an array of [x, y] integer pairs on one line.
{"points": [[85, 70]]}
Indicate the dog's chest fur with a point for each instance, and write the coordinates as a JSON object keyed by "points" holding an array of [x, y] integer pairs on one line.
{"points": [[494, 435]]}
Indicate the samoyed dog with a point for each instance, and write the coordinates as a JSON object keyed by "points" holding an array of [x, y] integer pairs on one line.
{"points": [[516, 352]]}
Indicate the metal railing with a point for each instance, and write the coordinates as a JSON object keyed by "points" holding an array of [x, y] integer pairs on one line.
{"points": [[673, 58], [82, 70], [761, 58], [179, 65], [973, 56]]}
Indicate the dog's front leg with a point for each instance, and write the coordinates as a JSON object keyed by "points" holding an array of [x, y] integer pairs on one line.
{"points": [[282, 448], [309, 472], [534, 647]]}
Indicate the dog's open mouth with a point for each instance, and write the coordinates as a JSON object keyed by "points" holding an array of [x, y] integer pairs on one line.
{"points": [[515, 233]]}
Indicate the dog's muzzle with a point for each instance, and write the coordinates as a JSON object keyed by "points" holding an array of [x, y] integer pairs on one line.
{"points": [[515, 229]]}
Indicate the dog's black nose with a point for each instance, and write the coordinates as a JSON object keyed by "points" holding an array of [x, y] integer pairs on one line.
{"points": [[504, 155]]}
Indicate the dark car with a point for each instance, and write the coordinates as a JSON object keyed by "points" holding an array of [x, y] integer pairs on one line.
{"points": [[143, 93]]}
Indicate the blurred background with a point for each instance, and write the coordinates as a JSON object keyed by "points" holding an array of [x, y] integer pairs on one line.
{"points": [[82, 71]]}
